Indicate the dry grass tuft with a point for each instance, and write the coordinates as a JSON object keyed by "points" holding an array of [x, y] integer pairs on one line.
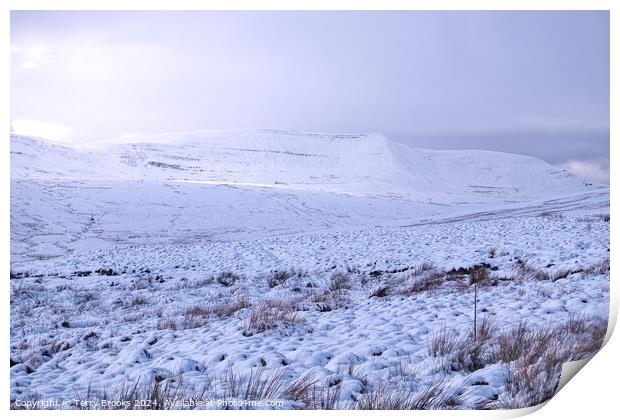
{"points": [[324, 300], [325, 397], [167, 324], [480, 275], [533, 358], [222, 310], [301, 389], [199, 315], [423, 268], [381, 291], [527, 385], [153, 395], [561, 274], [551, 215], [266, 317], [529, 272], [600, 268], [442, 342], [440, 395], [495, 252], [227, 278], [429, 280], [259, 385], [279, 277], [340, 281]]}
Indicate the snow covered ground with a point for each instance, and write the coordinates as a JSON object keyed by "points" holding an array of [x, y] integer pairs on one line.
{"points": [[201, 263]]}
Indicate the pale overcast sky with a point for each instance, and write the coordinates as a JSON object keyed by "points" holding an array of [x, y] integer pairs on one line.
{"points": [[535, 83]]}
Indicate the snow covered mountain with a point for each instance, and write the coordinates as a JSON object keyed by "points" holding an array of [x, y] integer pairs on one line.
{"points": [[361, 164], [244, 184]]}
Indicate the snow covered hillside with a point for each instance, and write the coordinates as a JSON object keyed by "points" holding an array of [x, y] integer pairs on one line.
{"points": [[339, 269], [248, 184], [354, 164]]}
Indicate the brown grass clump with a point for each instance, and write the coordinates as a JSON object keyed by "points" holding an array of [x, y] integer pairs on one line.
{"points": [[530, 343], [561, 274], [279, 277], [325, 397], [442, 342], [439, 395], [533, 358], [423, 268], [600, 268], [495, 252], [529, 272], [480, 275], [474, 351], [265, 317], [461, 353], [527, 385], [429, 280], [340, 281], [301, 389], [157, 394], [200, 315], [259, 385], [381, 291], [227, 278], [222, 310], [167, 324], [324, 300], [139, 300], [551, 215], [532, 355]]}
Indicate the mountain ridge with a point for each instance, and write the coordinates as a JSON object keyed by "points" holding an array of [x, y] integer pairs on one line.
{"points": [[347, 163]]}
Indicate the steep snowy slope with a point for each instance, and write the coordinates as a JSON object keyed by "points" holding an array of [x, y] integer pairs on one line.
{"points": [[366, 164], [36, 158]]}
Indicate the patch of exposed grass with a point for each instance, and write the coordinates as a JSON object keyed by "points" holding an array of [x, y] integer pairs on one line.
{"points": [[381, 291], [429, 280], [529, 272], [601, 267], [423, 268], [340, 281], [227, 278], [266, 317]]}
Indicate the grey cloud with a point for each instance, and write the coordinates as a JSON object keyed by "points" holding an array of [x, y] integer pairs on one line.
{"points": [[535, 83]]}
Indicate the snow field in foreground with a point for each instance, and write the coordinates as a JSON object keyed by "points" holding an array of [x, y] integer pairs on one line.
{"points": [[349, 312]]}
